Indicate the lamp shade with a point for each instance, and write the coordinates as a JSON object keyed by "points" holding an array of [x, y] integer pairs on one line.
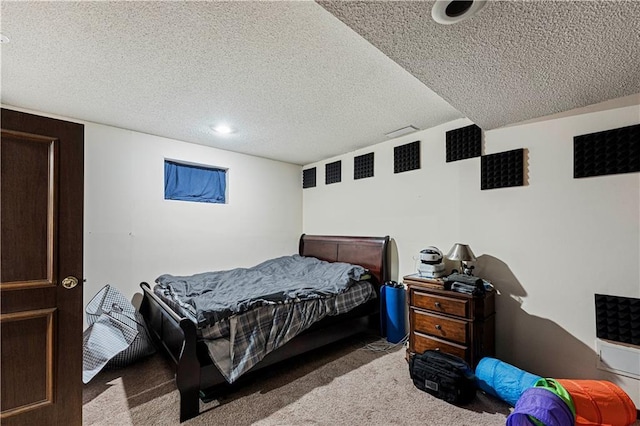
{"points": [[461, 252]]}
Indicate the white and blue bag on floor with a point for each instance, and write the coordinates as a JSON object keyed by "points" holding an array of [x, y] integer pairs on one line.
{"points": [[116, 335]]}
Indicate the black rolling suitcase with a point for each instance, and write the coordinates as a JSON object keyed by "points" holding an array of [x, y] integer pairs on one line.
{"points": [[444, 376]]}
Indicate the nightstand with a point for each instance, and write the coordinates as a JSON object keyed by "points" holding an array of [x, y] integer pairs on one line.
{"points": [[456, 323]]}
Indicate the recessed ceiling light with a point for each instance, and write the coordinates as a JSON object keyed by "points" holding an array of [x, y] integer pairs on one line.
{"points": [[222, 129], [4, 39], [451, 12]]}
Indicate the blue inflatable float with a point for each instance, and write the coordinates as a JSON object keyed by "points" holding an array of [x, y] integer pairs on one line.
{"points": [[503, 380]]}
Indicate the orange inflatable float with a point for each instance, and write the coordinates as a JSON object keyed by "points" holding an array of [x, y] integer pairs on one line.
{"points": [[599, 402]]}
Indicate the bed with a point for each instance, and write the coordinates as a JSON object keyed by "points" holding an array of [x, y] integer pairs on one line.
{"points": [[181, 339]]}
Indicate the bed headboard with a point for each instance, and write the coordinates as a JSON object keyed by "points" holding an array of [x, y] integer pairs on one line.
{"points": [[368, 252]]}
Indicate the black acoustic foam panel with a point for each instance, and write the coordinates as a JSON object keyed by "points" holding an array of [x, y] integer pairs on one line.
{"points": [[465, 142], [309, 178], [333, 172], [607, 153], [406, 157], [502, 170], [618, 319], [363, 166]]}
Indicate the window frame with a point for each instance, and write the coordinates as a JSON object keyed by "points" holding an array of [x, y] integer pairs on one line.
{"points": [[199, 165]]}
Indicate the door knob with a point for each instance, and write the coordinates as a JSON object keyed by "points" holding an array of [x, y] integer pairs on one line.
{"points": [[69, 282]]}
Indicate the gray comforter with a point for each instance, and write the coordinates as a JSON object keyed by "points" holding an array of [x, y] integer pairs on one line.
{"points": [[212, 296]]}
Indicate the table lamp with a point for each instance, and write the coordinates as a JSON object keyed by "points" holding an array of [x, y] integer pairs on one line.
{"points": [[462, 253]]}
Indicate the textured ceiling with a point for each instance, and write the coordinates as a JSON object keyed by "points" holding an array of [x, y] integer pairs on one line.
{"points": [[296, 82], [514, 60]]}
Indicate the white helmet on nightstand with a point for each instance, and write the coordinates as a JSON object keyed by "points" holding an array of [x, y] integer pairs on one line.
{"points": [[430, 255]]}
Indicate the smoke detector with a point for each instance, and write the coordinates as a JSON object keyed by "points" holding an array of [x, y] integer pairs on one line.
{"points": [[454, 11]]}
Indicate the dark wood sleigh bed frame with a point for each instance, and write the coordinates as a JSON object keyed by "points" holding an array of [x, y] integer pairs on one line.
{"points": [[195, 371]]}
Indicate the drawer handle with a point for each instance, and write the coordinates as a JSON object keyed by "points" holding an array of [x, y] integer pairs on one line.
{"points": [[438, 305], [438, 327]]}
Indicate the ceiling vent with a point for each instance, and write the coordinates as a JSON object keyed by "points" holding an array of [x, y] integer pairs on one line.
{"points": [[400, 132], [454, 11]]}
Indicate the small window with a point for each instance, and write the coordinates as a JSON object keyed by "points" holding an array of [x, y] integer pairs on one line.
{"points": [[199, 183]]}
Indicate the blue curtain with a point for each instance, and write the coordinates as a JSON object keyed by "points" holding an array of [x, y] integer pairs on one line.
{"points": [[194, 183]]}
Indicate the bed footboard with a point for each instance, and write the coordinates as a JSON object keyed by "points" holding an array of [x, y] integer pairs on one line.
{"points": [[178, 337]]}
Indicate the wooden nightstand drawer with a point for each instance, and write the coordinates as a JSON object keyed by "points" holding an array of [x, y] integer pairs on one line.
{"points": [[439, 326], [440, 304], [422, 343]]}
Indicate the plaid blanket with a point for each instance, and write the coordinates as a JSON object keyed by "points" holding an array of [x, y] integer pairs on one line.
{"points": [[214, 296], [241, 341]]}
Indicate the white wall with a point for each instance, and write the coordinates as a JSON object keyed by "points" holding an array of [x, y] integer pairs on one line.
{"points": [[133, 234], [548, 246]]}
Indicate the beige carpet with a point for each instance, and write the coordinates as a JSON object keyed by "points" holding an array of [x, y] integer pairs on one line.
{"points": [[345, 384]]}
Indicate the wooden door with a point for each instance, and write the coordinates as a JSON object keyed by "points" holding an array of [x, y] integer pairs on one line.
{"points": [[41, 204]]}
